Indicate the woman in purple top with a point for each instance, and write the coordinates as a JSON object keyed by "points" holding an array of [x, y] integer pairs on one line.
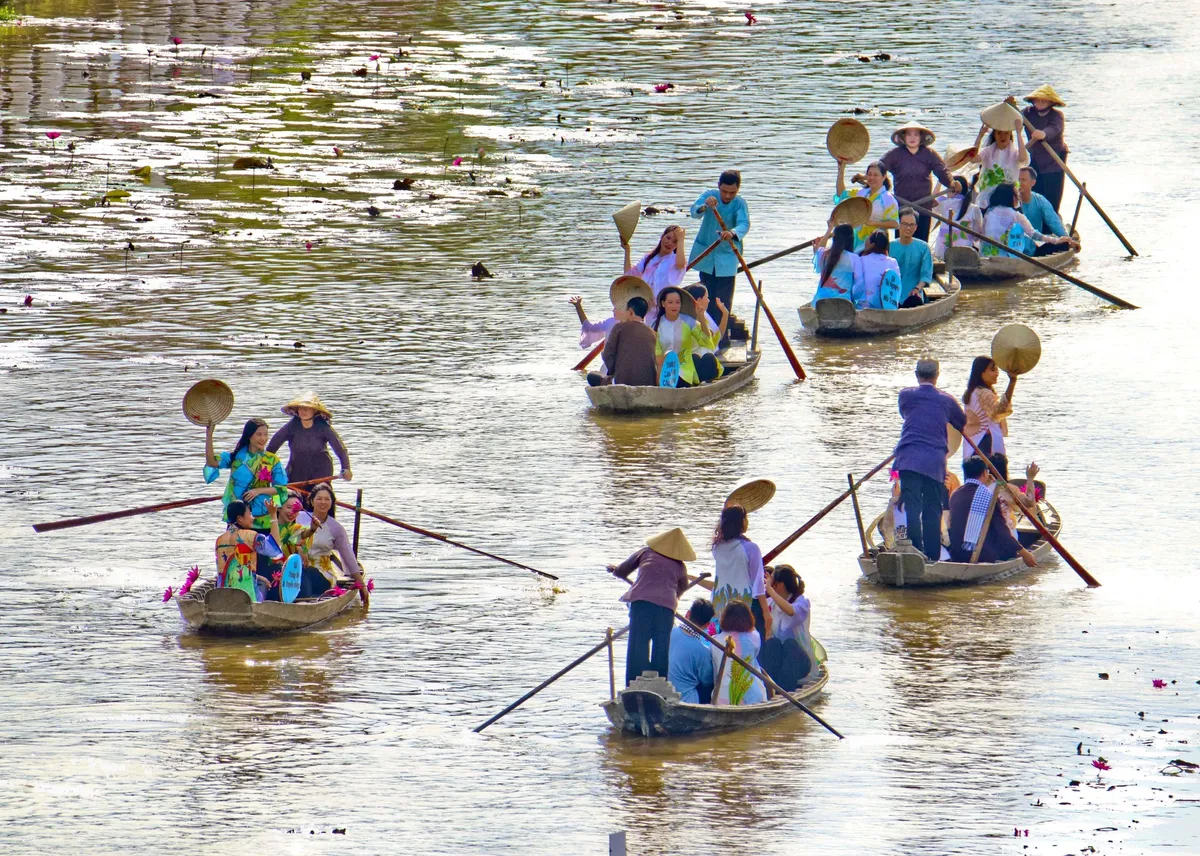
{"points": [[662, 578], [1048, 125], [307, 434], [911, 163]]}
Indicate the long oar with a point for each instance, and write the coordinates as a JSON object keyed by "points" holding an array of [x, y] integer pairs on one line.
{"points": [[1082, 189], [145, 509], [595, 352], [783, 342], [816, 518], [439, 537], [1099, 292], [573, 664], [1037, 524], [761, 675]]}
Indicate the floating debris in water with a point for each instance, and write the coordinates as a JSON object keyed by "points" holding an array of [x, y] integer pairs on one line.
{"points": [[403, 184], [372, 211], [479, 272]]}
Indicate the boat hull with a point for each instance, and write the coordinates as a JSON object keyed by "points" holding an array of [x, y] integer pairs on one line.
{"points": [[230, 612], [619, 398], [974, 269], [837, 317]]}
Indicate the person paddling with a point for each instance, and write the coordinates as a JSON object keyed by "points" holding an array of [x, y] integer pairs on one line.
{"points": [[1048, 125], [307, 434], [718, 270]]}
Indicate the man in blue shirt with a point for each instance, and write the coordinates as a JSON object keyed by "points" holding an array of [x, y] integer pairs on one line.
{"points": [[690, 669], [915, 260], [1041, 215], [719, 268]]}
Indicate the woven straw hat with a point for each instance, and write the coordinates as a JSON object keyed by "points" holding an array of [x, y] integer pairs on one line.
{"points": [[849, 139], [959, 160], [927, 136], [208, 402], [625, 288], [307, 399], [673, 544], [953, 440], [853, 211], [1046, 91], [752, 495], [627, 221], [1016, 349], [1002, 117]]}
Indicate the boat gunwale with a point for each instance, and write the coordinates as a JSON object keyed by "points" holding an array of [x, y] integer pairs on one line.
{"points": [[702, 394], [883, 322]]}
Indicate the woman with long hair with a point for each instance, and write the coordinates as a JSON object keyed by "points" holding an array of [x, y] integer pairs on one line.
{"points": [[877, 189], [1000, 162], [875, 263], [678, 333], [307, 434], [254, 473], [329, 547], [961, 208], [736, 684], [739, 573], [788, 655], [1006, 225], [707, 335], [663, 266], [987, 413], [839, 266]]}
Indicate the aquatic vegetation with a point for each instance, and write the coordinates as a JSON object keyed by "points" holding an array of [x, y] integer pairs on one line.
{"points": [[8, 14]]}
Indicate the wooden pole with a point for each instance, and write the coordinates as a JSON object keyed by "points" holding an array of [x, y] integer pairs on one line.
{"points": [[862, 534], [1078, 206], [783, 342], [754, 333], [1037, 524], [1082, 189], [357, 519], [783, 253], [716, 693], [1099, 292], [612, 668], [816, 518]]}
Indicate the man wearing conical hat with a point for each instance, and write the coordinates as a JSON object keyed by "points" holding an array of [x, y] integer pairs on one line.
{"points": [[1048, 124]]}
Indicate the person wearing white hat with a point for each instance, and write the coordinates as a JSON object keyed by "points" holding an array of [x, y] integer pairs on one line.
{"points": [[307, 434]]}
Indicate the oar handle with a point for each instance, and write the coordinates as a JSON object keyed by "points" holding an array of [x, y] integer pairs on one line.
{"points": [[592, 354]]}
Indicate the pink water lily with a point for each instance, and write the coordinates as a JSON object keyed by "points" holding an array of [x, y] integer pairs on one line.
{"points": [[663, 87], [374, 57], [1159, 683], [1101, 765], [456, 162], [168, 594], [193, 575], [370, 585], [54, 135], [176, 40], [308, 245], [336, 591], [750, 19]]}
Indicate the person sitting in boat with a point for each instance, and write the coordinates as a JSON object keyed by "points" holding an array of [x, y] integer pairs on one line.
{"points": [[663, 266], [255, 474], [739, 573], [1048, 125], [734, 684], [653, 598], [914, 259], [839, 266], [237, 548], [998, 162], [629, 353], [593, 332], [876, 264], [1007, 226], [329, 546], [878, 190], [691, 666], [307, 434], [987, 414], [1041, 216], [787, 656], [911, 163], [977, 532], [718, 270], [1015, 503], [921, 456], [676, 334], [961, 208], [707, 334]]}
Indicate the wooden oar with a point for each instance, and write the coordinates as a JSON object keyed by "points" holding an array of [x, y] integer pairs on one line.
{"points": [[816, 518], [1082, 189], [145, 509], [1078, 206], [1099, 292], [1037, 524], [783, 342], [438, 537], [574, 663]]}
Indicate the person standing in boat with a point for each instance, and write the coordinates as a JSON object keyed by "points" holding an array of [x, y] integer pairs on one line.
{"points": [[663, 266], [691, 667], [911, 163], [987, 414], [734, 683], [1007, 226], [975, 518], [999, 162], [307, 434], [718, 270], [1041, 216], [255, 474], [914, 259], [839, 266], [329, 546], [237, 546], [629, 352], [921, 456], [739, 573], [788, 656], [876, 263], [1048, 126], [961, 208], [878, 191], [653, 598]]}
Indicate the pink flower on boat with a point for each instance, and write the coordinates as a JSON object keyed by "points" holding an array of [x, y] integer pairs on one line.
{"points": [[53, 135], [750, 19], [1159, 683], [176, 41], [168, 594], [370, 585], [1101, 765], [456, 162], [193, 575], [276, 578], [336, 591]]}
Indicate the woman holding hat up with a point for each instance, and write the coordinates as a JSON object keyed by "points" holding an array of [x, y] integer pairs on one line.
{"points": [[877, 190], [663, 266], [1048, 129], [1000, 162], [307, 434], [911, 162], [653, 598]]}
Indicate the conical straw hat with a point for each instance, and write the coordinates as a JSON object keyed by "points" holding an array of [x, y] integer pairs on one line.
{"points": [[927, 136], [752, 495], [848, 139], [1016, 349], [853, 211], [1046, 91], [1002, 117], [953, 440], [307, 399], [627, 221], [959, 160], [673, 544], [625, 288], [208, 402]]}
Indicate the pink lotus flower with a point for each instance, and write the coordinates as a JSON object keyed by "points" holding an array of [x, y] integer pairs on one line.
{"points": [[374, 57], [663, 87], [176, 40], [1101, 765], [1159, 683], [54, 135], [308, 245], [276, 578], [336, 591], [750, 19], [193, 575], [28, 300], [370, 585], [456, 162], [168, 594]]}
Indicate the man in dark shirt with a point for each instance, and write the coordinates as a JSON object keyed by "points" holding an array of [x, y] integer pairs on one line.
{"points": [[629, 353], [999, 545]]}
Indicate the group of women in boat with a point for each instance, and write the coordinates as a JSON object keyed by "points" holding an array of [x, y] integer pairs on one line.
{"points": [[267, 521]]}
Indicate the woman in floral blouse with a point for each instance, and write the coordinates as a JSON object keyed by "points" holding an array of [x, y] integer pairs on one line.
{"points": [[885, 213], [254, 473]]}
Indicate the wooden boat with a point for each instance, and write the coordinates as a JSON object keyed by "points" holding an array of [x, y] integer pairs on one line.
{"points": [[619, 398], [833, 316], [905, 566], [230, 611], [650, 706], [971, 267]]}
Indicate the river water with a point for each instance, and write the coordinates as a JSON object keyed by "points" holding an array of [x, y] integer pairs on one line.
{"points": [[968, 713]]}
